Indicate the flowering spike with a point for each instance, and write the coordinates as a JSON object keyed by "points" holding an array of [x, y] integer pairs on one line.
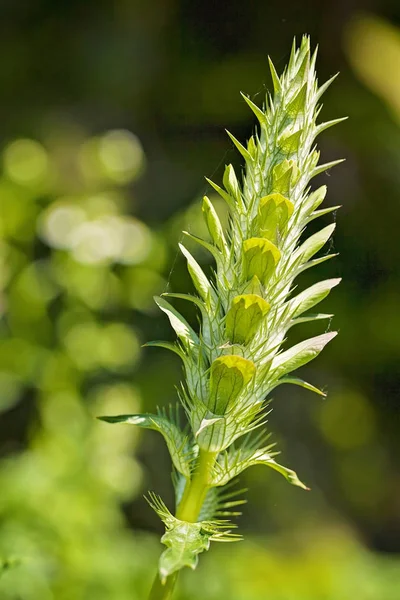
{"points": [[246, 310]]}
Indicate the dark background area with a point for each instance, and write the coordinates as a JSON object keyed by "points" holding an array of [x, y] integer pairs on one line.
{"points": [[75, 79]]}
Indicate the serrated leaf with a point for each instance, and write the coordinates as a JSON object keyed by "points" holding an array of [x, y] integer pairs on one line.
{"points": [[311, 296], [178, 323], [260, 258], [201, 283], [228, 377], [244, 317], [315, 242], [177, 442], [232, 462], [299, 355], [184, 540]]}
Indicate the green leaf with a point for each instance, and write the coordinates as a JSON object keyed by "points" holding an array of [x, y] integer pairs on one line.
{"points": [[312, 201], [214, 224], [227, 197], [177, 442], [260, 258], [201, 283], [274, 212], [299, 355], [244, 317], [325, 86], [228, 377], [311, 296], [321, 168], [234, 461], [323, 126], [301, 383], [185, 541], [284, 176], [298, 103], [213, 250], [315, 242], [275, 78], [260, 114], [178, 323], [245, 153], [323, 211], [289, 141], [167, 346]]}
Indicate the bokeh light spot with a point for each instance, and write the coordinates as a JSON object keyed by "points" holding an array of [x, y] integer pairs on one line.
{"points": [[26, 162]]}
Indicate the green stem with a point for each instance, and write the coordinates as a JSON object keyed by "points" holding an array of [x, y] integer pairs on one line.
{"points": [[164, 591], [188, 510]]}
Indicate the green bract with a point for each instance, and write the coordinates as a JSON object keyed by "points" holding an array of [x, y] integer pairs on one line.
{"points": [[237, 357]]}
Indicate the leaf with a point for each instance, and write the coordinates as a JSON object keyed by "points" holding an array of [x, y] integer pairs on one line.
{"points": [[177, 442], [178, 323], [167, 345], [321, 168], [227, 197], [244, 317], [260, 258], [312, 201], [234, 461], [245, 153], [299, 355], [228, 377], [323, 126], [315, 242], [301, 383], [201, 283], [214, 224], [289, 141], [184, 540], [260, 114], [275, 78], [284, 176], [297, 104], [311, 296], [213, 250], [325, 86], [274, 212], [323, 211]]}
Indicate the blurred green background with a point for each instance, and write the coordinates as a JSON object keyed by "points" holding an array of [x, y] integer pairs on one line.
{"points": [[111, 114]]}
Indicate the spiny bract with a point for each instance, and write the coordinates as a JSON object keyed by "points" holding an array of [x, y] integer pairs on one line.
{"points": [[236, 358]]}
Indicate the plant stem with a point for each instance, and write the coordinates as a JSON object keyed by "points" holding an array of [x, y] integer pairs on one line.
{"points": [[188, 510], [161, 591]]}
